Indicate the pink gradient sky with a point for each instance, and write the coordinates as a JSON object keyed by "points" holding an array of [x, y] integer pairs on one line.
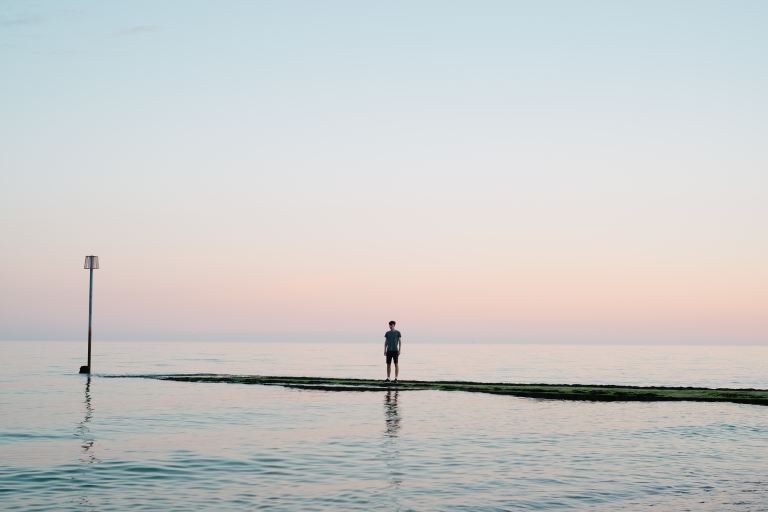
{"points": [[512, 175]]}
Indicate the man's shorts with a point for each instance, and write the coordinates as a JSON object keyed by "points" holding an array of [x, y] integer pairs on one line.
{"points": [[391, 356]]}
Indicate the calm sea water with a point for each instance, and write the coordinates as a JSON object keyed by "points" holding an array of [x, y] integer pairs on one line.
{"points": [[72, 443]]}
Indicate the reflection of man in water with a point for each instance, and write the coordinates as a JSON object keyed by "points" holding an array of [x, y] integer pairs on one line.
{"points": [[391, 415], [392, 348], [391, 455]]}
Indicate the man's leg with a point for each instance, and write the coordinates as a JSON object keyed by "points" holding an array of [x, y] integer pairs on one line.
{"points": [[397, 371], [389, 369]]}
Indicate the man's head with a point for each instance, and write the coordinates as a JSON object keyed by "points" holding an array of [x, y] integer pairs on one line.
{"points": [[392, 324]]}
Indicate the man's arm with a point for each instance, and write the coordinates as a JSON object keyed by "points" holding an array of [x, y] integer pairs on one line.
{"points": [[399, 344], [385, 344]]}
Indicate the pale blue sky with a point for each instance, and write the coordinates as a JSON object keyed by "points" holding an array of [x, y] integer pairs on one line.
{"points": [[521, 171]]}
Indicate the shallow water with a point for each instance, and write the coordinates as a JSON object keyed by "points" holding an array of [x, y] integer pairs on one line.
{"points": [[68, 442]]}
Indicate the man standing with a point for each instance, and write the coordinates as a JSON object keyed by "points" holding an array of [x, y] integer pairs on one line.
{"points": [[392, 348]]}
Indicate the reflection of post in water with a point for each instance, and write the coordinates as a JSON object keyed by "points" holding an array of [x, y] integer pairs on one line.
{"points": [[87, 455], [83, 430], [391, 414]]}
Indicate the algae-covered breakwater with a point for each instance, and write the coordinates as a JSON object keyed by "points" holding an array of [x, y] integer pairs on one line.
{"points": [[600, 393]]}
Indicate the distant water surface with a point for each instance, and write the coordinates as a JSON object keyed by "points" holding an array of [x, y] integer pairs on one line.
{"points": [[72, 443]]}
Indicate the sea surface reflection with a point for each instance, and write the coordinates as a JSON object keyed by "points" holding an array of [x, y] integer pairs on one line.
{"points": [[69, 442]]}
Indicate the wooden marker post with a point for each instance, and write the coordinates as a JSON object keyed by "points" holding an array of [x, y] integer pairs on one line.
{"points": [[91, 263]]}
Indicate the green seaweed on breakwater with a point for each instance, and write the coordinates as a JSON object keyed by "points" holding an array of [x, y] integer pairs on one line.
{"points": [[595, 393]]}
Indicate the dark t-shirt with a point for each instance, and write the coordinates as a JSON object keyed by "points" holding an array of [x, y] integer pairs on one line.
{"points": [[392, 337]]}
